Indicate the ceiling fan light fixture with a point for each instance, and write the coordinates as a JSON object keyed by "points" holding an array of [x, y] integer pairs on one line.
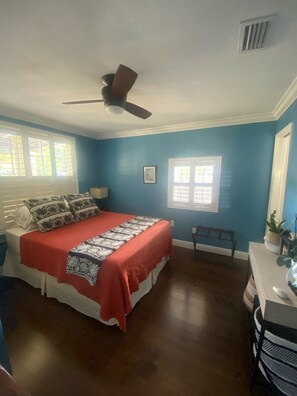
{"points": [[113, 109], [114, 93]]}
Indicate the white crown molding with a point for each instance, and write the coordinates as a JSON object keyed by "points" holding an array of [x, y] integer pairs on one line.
{"points": [[211, 249], [289, 97], [27, 123], [250, 119]]}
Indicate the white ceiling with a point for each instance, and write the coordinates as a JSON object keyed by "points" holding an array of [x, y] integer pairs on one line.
{"points": [[185, 52]]}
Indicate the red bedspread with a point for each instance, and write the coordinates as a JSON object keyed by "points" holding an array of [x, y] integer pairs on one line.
{"points": [[119, 275]]}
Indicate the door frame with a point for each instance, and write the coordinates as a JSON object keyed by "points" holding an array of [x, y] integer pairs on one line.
{"points": [[279, 171]]}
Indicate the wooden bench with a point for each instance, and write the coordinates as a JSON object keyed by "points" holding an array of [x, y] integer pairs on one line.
{"points": [[213, 233]]}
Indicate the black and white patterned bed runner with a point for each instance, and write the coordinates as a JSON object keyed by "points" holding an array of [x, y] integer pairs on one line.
{"points": [[86, 258]]}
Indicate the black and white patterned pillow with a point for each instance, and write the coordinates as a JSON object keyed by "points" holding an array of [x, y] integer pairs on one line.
{"points": [[82, 205], [49, 212]]}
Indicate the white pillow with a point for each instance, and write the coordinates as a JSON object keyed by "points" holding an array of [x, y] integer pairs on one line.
{"points": [[24, 218]]}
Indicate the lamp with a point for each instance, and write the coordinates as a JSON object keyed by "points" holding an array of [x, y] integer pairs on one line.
{"points": [[99, 192], [113, 103]]}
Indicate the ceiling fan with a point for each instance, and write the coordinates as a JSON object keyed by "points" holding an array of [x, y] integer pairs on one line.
{"points": [[114, 93]]}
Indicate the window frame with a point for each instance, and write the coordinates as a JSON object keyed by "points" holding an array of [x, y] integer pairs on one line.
{"points": [[15, 188], [192, 162], [25, 133]]}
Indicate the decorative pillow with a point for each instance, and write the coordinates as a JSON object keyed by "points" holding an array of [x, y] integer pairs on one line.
{"points": [[82, 205], [49, 212], [23, 218]]}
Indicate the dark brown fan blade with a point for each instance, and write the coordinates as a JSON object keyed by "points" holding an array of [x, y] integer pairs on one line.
{"points": [[137, 111], [84, 101], [124, 80]]}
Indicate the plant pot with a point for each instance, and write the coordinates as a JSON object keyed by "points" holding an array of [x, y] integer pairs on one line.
{"points": [[272, 241], [272, 237]]}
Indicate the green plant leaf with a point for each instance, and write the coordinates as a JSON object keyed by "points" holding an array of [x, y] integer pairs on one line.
{"points": [[284, 260], [273, 225]]}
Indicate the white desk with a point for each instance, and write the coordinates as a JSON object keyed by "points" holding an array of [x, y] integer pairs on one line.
{"points": [[268, 274], [274, 309]]}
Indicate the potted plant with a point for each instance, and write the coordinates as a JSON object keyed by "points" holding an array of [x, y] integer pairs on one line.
{"points": [[272, 237]]}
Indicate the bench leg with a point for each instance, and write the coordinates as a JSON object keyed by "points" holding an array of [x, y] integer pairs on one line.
{"points": [[233, 248]]}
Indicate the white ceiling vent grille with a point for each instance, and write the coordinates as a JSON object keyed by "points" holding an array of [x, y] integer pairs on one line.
{"points": [[254, 34]]}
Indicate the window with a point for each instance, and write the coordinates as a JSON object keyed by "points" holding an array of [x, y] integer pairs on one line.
{"points": [[34, 163], [194, 183], [40, 157], [11, 155], [63, 157]]}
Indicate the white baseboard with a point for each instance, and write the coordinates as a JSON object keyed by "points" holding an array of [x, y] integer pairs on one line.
{"points": [[211, 249]]}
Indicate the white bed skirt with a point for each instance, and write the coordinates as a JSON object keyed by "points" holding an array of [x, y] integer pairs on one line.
{"points": [[66, 293]]}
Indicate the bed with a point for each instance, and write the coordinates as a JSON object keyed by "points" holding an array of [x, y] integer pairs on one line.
{"points": [[124, 277]]}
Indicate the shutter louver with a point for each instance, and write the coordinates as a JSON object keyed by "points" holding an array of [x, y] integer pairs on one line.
{"points": [[203, 195], [40, 157], [181, 193], [203, 174], [11, 155], [63, 159]]}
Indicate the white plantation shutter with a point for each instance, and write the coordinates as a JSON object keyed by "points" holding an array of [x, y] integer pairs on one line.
{"points": [[11, 155], [194, 183], [202, 195], [181, 193], [34, 165], [40, 157], [204, 174], [181, 177], [63, 157]]}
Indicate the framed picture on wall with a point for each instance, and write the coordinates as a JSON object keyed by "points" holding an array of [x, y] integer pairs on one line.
{"points": [[149, 174]]}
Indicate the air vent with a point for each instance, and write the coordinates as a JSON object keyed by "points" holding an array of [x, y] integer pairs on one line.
{"points": [[253, 34]]}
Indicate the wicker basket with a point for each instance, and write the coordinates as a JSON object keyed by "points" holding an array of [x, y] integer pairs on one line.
{"points": [[249, 294]]}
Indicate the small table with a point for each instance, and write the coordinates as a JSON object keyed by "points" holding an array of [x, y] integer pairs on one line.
{"points": [[214, 233]]}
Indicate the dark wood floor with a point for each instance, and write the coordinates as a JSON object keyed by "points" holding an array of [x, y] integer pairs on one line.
{"points": [[188, 336]]}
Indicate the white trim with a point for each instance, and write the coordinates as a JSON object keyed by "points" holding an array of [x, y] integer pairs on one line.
{"points": [[19, 122], [285, 102], [15, 188], [34, 131], [189, 126], [279, 170], [211, 249], [191, 163], [289, 97]]}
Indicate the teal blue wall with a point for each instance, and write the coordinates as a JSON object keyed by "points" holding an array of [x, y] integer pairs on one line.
{"points": [[86, 151], [290, 208], [246, 152]]}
